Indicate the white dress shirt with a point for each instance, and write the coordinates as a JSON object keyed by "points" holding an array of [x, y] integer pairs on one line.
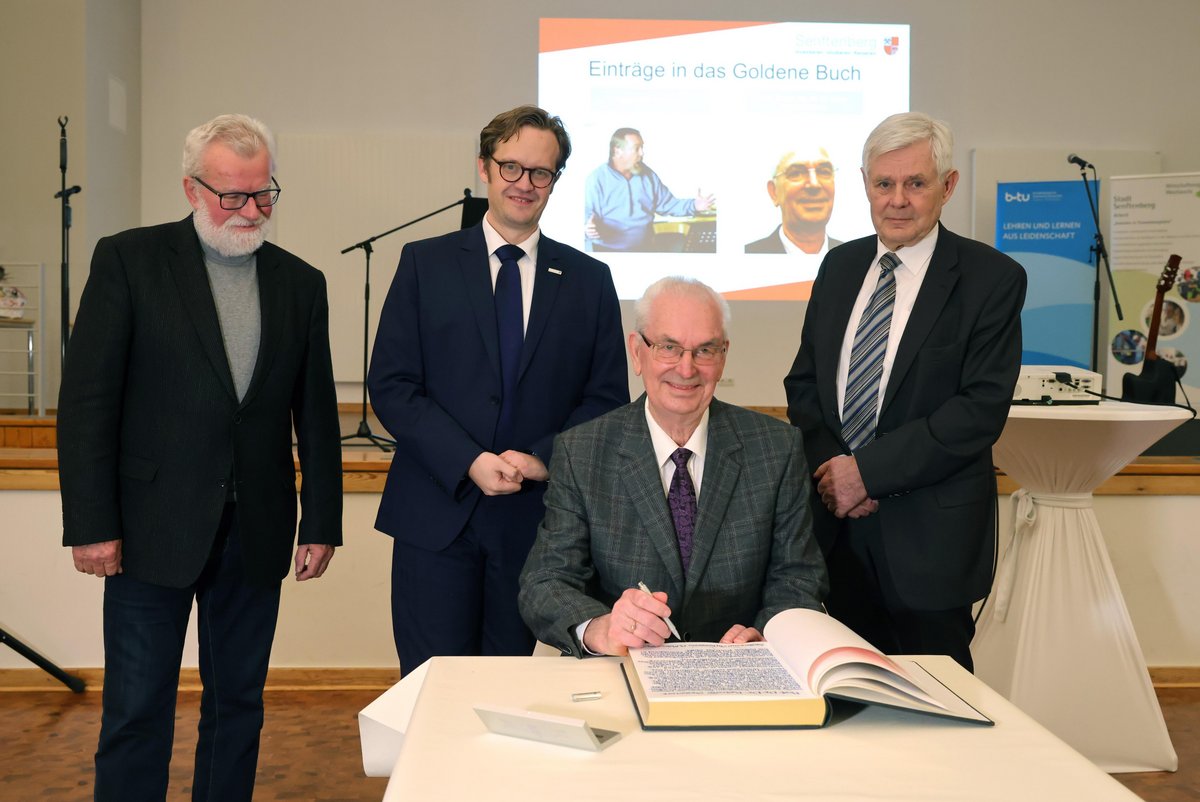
{"points": [[910, 273], [527, 264]]}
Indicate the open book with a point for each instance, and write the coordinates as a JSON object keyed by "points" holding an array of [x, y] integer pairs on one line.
{"points": [[783, 682]]}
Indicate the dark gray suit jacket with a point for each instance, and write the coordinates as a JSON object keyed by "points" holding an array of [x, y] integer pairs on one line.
{"points": [[607, 527], [946, 402], [150, 431]]}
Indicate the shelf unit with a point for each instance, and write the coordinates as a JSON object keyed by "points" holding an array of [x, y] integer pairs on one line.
{"points": [[22, 364]]}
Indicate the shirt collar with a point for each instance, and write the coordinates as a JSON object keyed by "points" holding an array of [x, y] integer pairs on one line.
{"points": [[664, 446], [914, 257], [493, 239]]}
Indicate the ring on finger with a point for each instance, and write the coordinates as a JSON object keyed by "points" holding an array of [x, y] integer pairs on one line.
{"points": [[632, 625]]}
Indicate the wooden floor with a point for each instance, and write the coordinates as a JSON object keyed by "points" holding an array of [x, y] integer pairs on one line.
{"points": [[310, 747]]}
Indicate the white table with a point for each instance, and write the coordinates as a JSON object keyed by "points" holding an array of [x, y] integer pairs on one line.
{"points": [[1055, 638], [873, 754]]}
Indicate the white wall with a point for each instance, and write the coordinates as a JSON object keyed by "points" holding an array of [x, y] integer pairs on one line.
{"points": [[344, 618]]}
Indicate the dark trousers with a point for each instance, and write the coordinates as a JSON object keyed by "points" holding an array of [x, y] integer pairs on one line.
{"points": [[863, 596], [144, 628], [462, 600]]}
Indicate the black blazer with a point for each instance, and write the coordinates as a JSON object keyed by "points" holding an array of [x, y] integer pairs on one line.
{"points": [[150, 432], [773, 244], [435, 376], [946, 402]]}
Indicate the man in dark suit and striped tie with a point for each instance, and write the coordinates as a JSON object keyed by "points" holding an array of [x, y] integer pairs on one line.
{"points": [[703, 503], [910, 349]]}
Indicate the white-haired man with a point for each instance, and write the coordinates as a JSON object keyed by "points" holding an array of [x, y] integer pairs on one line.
{"points": [[910, 349], [703, 502], [197, 347]]}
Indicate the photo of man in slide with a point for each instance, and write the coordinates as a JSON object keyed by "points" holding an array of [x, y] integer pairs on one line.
{"points": [[803, 189], [622, 197]]}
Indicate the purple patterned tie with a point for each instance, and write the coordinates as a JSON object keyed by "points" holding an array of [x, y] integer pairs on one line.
{"points": [[681, 498]]}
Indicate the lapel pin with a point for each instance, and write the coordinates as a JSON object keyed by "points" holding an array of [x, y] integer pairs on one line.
{"points": [[555, 271]]}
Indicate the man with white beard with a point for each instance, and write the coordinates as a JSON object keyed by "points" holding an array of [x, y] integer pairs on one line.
{"points": [[198, 347]]}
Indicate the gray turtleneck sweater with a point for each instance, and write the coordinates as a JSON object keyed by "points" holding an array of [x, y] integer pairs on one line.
{"points": [[234, 282]]}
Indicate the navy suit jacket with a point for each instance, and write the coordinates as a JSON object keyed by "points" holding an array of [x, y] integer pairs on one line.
{"points": [[435, 375], [150, 429], [608, 526], [946, 402]]}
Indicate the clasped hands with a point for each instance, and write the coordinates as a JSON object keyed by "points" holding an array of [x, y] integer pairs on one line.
{"points": [[841, 488], [636, 620], [501, 474]]}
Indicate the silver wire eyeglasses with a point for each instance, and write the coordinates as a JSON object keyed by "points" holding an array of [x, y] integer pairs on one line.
{"points": [[820, 171], [672, 353]]}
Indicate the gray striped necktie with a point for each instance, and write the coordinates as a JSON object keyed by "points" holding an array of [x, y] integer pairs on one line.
{"points": [[866, 359]]}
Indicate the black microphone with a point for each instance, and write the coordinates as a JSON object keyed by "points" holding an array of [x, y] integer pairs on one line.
{"points": [[62, 144], [1079, 160]]}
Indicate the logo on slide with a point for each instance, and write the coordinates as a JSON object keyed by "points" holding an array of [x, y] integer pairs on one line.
{"points": [[891, 45], [1016, 197]]}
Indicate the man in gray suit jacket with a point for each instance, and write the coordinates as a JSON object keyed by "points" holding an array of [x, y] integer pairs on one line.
{"points": [[703, 502]]}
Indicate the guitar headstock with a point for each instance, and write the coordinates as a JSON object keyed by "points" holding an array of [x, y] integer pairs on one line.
{"points": [[1167, 279]]}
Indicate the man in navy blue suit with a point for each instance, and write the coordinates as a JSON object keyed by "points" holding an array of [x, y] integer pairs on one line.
{"points": [[491, 341]]}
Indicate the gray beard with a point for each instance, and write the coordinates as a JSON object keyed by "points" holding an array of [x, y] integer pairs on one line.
{"points": [[229, 239]]}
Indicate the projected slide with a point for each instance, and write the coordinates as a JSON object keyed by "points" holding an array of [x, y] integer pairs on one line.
{"points": [[728, 151]]}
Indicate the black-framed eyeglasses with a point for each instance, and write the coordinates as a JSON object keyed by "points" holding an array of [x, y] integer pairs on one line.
{"points": [[540, 177], [232, 201], [672, 353], [811, 172]]}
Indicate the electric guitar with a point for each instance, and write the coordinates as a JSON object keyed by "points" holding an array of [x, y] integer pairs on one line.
{"points": [[1156, 383]]}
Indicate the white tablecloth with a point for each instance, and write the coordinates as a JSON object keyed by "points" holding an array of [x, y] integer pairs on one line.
{"points": [[1055, 637], [873, 754]]}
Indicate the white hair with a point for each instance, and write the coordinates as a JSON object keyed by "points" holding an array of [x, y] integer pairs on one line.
{"points": [[679, 285], [902, 130], [243, 135]]}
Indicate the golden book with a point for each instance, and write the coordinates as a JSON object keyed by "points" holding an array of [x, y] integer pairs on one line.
{"points": [[782, 682]]}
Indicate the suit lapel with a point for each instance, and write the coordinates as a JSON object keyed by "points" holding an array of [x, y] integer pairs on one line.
{"points": [[186, 265], [940, 278], [270, 302], [722, 467], [549, 274], [642, 481], [474, 267]]}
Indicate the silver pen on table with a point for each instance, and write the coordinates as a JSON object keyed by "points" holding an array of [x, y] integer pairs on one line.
{"points": [[670, 626]]}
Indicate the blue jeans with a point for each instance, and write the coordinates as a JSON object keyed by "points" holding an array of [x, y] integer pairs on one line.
{"points": [[144, 629]]}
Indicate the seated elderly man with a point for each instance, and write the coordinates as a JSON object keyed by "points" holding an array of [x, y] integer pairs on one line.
{"points": [[702, 502]]}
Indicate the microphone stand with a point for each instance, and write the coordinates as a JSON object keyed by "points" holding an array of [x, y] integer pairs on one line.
{"points": [[364, 429], [74, 683], [65, 193], [1100, 253]]}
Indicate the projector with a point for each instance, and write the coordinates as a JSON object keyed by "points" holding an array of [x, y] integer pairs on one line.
{"points": [[1056, 384]]}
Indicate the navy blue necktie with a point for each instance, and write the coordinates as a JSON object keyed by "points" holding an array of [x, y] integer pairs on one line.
{"points": [[510, 326]]}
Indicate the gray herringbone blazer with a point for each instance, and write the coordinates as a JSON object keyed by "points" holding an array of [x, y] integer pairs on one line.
{"points": [[607, 526]]}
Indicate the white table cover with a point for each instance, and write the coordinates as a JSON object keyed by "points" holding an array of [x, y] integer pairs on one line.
{"points": [[874, 754], [1055, 638]]}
